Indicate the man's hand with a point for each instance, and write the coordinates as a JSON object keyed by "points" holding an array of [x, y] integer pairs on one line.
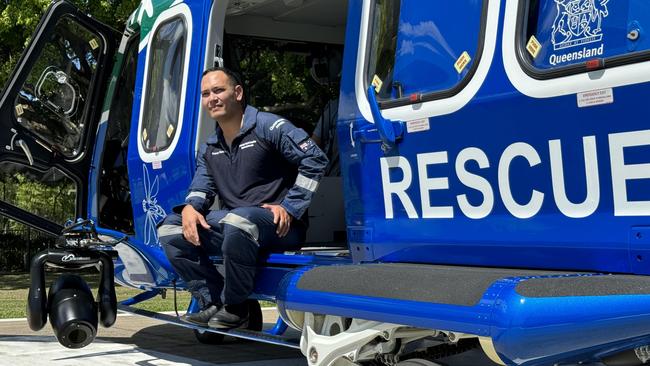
{"points": [[191, 219], [281, 218]]}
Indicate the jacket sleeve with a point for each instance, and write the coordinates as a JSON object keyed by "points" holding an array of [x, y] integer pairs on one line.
{"points": [[296, 146], [202, 191]]}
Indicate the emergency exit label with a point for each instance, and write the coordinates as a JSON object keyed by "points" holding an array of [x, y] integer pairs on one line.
{"points": [[595, 97], [417, 125]]}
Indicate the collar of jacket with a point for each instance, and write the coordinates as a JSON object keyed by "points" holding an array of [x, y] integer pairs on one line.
{"points": [[250, 120]]}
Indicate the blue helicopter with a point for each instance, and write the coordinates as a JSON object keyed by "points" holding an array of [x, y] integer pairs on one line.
{"points": [[494, 168]]}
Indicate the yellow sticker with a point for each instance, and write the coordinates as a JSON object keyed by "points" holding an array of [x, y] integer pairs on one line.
{"points": [[377, 83], [144, 135], [19, 110], [533, 46], [462, 62], [93, 43], [170, 131]]}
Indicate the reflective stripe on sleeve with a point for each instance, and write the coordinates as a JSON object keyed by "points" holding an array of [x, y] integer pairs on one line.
{"points": [[306, 183], [278, 123], [196, 194]]}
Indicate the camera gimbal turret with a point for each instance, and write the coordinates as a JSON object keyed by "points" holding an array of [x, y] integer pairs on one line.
{"points": [[70, 304]]}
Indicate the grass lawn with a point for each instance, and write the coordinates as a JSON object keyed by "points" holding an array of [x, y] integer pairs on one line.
{"points": [[14, 288]]}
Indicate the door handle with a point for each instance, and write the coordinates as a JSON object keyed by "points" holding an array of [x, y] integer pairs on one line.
{"points": [[389, 131], [23, 145]]}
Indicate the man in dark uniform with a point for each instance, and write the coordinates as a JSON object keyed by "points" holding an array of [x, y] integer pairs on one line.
{"points": [[263, 172]]}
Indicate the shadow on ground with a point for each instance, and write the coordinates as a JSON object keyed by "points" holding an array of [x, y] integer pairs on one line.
{"points": [[179, 341]]}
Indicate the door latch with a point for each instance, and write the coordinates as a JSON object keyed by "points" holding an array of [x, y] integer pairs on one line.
{"points": [[21, 144]]}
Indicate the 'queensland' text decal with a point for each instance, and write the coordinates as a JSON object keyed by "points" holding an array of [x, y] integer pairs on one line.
{"points": [[578, 23]]}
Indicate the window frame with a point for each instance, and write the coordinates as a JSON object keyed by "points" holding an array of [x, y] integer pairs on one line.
{"points": [[181, 11], [523, 17], [621, 75], [433, 95], [442, 102], [87, 107]]}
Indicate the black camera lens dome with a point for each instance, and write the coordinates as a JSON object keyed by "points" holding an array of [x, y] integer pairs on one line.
{"points": [[72, 311]]}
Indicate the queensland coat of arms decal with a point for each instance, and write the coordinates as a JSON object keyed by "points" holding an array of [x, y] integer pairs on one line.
{"points": [[578, 22]]}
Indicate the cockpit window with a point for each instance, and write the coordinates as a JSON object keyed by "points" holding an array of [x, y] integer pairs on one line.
{"points": [[562, 37], [52, 102], [165, 81], [416, 55], [383, 44]]}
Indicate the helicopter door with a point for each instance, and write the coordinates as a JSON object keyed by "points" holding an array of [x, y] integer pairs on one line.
{"points": [[49, 110]]}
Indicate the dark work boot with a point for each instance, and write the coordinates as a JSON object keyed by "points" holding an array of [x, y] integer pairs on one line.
{"points": [[202, 317], [230, 316]]}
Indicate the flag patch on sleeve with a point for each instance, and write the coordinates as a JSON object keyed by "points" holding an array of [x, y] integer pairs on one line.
{"points": [[306, 145]]}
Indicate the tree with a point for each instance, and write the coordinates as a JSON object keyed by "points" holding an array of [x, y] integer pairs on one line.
{"points": [[19, 18]]}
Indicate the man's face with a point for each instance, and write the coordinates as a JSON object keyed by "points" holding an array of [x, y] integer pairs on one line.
{"points": [[220, 97]]}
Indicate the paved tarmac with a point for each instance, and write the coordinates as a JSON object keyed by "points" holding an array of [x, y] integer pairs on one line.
{"points": [[140, 341], [136, 340]]}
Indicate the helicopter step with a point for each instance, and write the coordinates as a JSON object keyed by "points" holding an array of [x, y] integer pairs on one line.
{"points": [[258, 336]]}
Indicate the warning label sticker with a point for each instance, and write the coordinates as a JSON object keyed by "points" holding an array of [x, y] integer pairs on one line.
{"points": [[417, 125], [462, 62], [377, 83], [533, 47], [595, 97]]}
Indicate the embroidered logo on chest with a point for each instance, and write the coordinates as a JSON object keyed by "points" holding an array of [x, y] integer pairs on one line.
{"points": [[247, 144]]}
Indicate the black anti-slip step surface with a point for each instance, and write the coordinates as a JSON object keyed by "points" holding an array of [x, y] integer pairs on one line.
{"points": [[452, 285], [598, 285]]}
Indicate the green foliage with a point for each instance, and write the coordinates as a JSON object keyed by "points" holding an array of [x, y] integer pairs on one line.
{"points": [[278, 80], [50, 195], [283, 74], [54, 200], [19, 18], [18, 246], [14, 288]]}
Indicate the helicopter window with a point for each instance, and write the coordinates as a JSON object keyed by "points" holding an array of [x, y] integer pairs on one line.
{"points": [[50, 194], [164, 84], [51, 103], [444, 45], [563, 37]]}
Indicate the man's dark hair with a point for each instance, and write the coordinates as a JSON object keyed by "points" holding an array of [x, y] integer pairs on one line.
{"points": [[233, 77]]}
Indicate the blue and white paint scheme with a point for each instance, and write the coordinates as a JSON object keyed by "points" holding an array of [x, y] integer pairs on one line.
{"points": [[493, 155]]}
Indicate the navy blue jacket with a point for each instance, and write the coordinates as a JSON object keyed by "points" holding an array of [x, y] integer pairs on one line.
{"points": [[269, 161]]}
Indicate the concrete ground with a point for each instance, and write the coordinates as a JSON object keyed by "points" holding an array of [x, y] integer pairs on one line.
{"points": [[141, 341], [136, 340]]}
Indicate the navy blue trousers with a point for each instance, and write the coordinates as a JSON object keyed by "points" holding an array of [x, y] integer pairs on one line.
{"points": [[239, 236]]}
